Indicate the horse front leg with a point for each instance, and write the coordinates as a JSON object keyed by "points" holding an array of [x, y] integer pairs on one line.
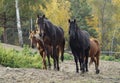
{"points": [[80, 63], [83, 61], [43, 54], [76, 62], [48, 57]]}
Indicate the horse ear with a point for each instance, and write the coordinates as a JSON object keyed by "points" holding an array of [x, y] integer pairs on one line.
{"points": [[43, 16], [74, 20], [69, 20]]}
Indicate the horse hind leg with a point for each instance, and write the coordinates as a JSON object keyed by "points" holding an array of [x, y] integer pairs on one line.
{"points": [[86, 63], [91, 61], [96, 65], [56, 59], [58, 68], [62, 51], [80, 63]]}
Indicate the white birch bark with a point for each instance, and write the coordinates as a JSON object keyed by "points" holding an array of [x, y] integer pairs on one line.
{"points": [[18, 24], [31, 23]]}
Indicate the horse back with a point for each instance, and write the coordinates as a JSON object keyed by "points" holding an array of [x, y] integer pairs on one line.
{"points": [[83, 39], [94, 47]]}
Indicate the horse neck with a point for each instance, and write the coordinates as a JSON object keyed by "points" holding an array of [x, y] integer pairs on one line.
{"points": [[77, 30], [78, 33], [41, 44], [49, 28]]}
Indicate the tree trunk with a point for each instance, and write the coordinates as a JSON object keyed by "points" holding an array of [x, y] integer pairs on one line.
{"points": [[18, 24], [4, 26]]}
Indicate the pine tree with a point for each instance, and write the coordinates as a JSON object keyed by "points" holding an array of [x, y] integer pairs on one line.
{"points": [[81, 11]]}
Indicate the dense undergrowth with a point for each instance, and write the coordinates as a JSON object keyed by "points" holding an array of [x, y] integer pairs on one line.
{"points": [[28, 59], [25, 58]]}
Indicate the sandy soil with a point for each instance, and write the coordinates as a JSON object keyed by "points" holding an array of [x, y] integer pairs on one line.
{"points": [[109, 73]]}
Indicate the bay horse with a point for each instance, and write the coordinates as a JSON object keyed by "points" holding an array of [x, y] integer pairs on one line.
{"points": [[37, 42], [52, 35], [80, 46], [94, 53]]}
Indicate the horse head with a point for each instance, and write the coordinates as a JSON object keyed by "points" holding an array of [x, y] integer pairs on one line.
{"points": [[41, 24], [72, 28], [33, 41]]}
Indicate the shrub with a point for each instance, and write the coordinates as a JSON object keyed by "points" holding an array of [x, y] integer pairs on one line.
{"points": [[109, 58], [22, 59]]}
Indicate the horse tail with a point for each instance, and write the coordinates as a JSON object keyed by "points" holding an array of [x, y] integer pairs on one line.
{"points": [[62, 50]]}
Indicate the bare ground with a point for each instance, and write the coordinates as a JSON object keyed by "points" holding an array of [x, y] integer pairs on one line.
{"points": [[109, 73]]}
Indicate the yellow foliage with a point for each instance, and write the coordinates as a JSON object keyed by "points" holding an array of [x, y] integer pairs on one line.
{"points": [[116, 16], [94, 22], [116, 2], [57, 13]]}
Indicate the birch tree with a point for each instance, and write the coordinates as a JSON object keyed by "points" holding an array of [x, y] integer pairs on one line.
{"points": [[18, 24]]}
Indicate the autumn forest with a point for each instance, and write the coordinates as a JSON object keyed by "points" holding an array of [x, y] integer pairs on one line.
{"points": [[101, 18]]}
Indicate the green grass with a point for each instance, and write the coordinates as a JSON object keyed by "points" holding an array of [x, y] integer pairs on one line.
{"points": [[102, 57], [27, 59], [22, 59], [68, 56], [109, 58]]}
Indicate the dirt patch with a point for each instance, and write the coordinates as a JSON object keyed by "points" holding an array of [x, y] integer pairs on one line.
{"points": [[109, 73]]}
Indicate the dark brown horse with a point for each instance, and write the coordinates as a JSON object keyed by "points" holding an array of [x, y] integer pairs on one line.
{"points": [[37, 42], [52, 35], [94, 53]]}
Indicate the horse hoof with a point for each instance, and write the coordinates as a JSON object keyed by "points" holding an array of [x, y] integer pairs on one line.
{"points": [[86, 70], [97, 71], [58, 69]]}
